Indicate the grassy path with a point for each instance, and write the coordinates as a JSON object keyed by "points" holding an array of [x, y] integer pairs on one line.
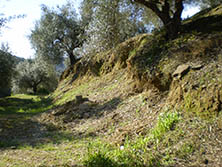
{"points": [[25, 141], [30, 138]]}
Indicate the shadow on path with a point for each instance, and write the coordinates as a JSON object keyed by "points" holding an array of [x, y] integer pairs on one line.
{"points": [[20, 126]]}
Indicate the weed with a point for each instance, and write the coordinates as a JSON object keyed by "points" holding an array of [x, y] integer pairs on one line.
{"points": [[98, 157], [166, 122], [133, 152]]}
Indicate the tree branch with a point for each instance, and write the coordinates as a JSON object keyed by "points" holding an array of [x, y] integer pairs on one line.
{"points": [[179, 9], [151, 5]]}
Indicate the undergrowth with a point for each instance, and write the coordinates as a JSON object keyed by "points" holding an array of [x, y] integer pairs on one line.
{"points": [[134, 152]]}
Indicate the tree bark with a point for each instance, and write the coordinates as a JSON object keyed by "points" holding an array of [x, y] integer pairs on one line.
{"points": [[36, 84], [171, 23], [72, 58], [34, 88]]}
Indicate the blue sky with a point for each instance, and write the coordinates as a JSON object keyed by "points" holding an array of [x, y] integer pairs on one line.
{"points": [[17, 30]]}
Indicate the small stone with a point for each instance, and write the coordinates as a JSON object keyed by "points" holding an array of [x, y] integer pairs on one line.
{"points": [[181, 71], [13, 147], [86, 115], [197, 67]]}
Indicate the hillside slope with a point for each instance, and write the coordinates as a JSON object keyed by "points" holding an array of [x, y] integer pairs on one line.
{"points": [[149, 102]]}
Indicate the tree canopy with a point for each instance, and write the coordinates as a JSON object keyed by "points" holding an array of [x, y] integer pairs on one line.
{"points": [[6, 72], [56, 34], [107, 23], [209, 3], [32, 73]]}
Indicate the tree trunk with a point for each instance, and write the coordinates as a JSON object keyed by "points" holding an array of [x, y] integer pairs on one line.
{"points": [[172, 29], [34, 88], [72, 58], [171, 23], [36, 84]]}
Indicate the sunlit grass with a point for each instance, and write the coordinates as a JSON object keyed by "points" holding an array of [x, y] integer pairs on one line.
{"points": [[133, 152], [24, 104]]}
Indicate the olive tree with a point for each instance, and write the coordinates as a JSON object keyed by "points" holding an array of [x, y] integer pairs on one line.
{"points": [[107, 23], [56, 34], [209, 3], [33, 73], [169, 12], [6, 72]]}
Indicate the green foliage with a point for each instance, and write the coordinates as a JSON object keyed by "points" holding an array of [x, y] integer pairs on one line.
{"points": [[6, 72], [134, 153], [165, 123], [209, 3], [31, 74], [98, 159], [110, 23], [57, 33], [24, 104]]}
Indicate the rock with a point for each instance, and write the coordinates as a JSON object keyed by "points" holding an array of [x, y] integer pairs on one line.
{"points": [[13, 147], [181, 71], [86, 115], [196, 67], [80, 99]]}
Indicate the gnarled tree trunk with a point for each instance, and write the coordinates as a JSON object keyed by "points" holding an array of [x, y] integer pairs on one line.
{"points": [[72, 58], [172, 22]]}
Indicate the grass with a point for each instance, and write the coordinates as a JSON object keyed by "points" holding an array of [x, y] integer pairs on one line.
{"points": [[16, 118], [70, 95], [25, 141], [166, 122], [173, 141], [24, 104], [133, 152], [67, 153]]}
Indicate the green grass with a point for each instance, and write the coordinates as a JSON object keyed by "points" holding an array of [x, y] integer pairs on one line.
{"points": [[65, 153], [166, 122], [71, 94], [24, 104], [134, 152]]}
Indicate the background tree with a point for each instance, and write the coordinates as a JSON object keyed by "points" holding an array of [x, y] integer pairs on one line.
{"points": [[110, 22], [209, 3], [6, 72], [57, 33], [87, 8], [32, 74]]}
